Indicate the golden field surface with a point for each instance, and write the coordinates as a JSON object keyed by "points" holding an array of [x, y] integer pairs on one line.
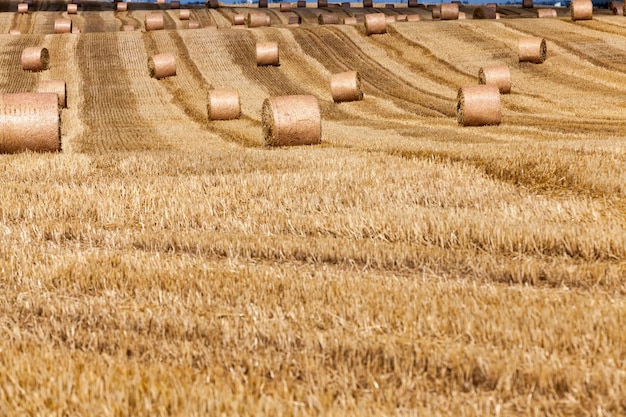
{"points": [[166, 265]]}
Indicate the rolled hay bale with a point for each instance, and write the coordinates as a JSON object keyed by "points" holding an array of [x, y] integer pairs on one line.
{"points": [[285, 7], [435, 12], [15, 32], [617, 7], [328, 19], [257, 20], [267, 54], [29, 122], [493, 6], [121, 7], [390, 6], [498, 75], [351, 20], [375, 24], [57, 87], [498, 15], [162, 65], [184, 14], [581, 10], [322, 3], [128, 28], [346, 86], [346, 4], [527, 4], [301, 4], [294, 21], [462, 16], [390, 19], [484, 13], [72, 8], [212, 4], [413, 18], [401, 18], [22, 8], [262, 4], [412, 3], [35, 58], [291, 120], [62, 25], [532, 49], [154, 21], [239, 19], [175, 4], [449, 11], [194, 24], [368, 3], [223, 104], [546, 13], [478, 105]]}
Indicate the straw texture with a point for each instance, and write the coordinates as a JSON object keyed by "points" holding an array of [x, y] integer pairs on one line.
{"points": [[301, 4], [581, 9], [350, 20], [498, 75], [154, 21], [413, 18], [390, 19], [56, 87], [346, 86], [532, 49], [257, 19], [162, 65], [546, 14], [291, 120], [462, 16], [375, 24], [175, 4], [368, 3], [412, 3], [294, 20], [328, 19], [322, 3], [29, 121], [62, 25], [267, 53], [449, 11], [223, 104], [35, 58], [478, 105]]}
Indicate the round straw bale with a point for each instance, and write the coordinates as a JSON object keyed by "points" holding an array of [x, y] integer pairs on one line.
{"points": [[546, 13], [375, 24], [35, 58], [212, 4], [62, 25], [162, 65], [267, 53], [401, 18], [581, 9], [498, 75], [160, 1], [412, 3], [462, 16], [72, 8], [29, 121], [492, 5], [22, 8], [346, 86], [121, 7], [128, 28], [15, 32], [390, 19], [184, 14], [239, 19], [328, 19], [351, 20], [368, 3], [301, 4], [389, 6], [223, 104], [532, 49], [262, 4], [346, 4], [413, 18], [257, 19], [527, 4], [498, 15], [614, 4], [285, 7], [154, 21], [194, 24], [449, 11], [435, 12], [54, 86], [294, 20], [291, 120], [484, 13], [478, 105], [617, 7], [322, 3], [175, 4]]}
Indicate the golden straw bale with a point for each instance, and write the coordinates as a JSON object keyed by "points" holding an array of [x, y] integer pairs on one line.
{"points": [[121, 7], [294, 21], [498, 75], [435, 12], [15, 32], [285, 7], [390, 6], [375, 24], [301, 4], [175, 4], [346, 86], [390, 19], [239, 19], [72, 8], [413, 18], [527, 4], [262, 4], [484, 13], [194, 24], [478, 105], [223, 104], [267, 54], [617, 8], [184, 14], [29, 122], [351, 20], [62, 25], [328, 19], [212, 4], [449, 11], [401, 18], [412, 3], [57, 87], [546, 14], [154, 21], [581, 9], [75, 29], [22, 8], [532, 49], [257, 19], [462, 16], [162, 65], [291, 120], [322, 3], [35, 58], [368, 3]]}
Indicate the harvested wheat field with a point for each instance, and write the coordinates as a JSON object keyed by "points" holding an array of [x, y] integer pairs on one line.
{"points": [[166, 264]]}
